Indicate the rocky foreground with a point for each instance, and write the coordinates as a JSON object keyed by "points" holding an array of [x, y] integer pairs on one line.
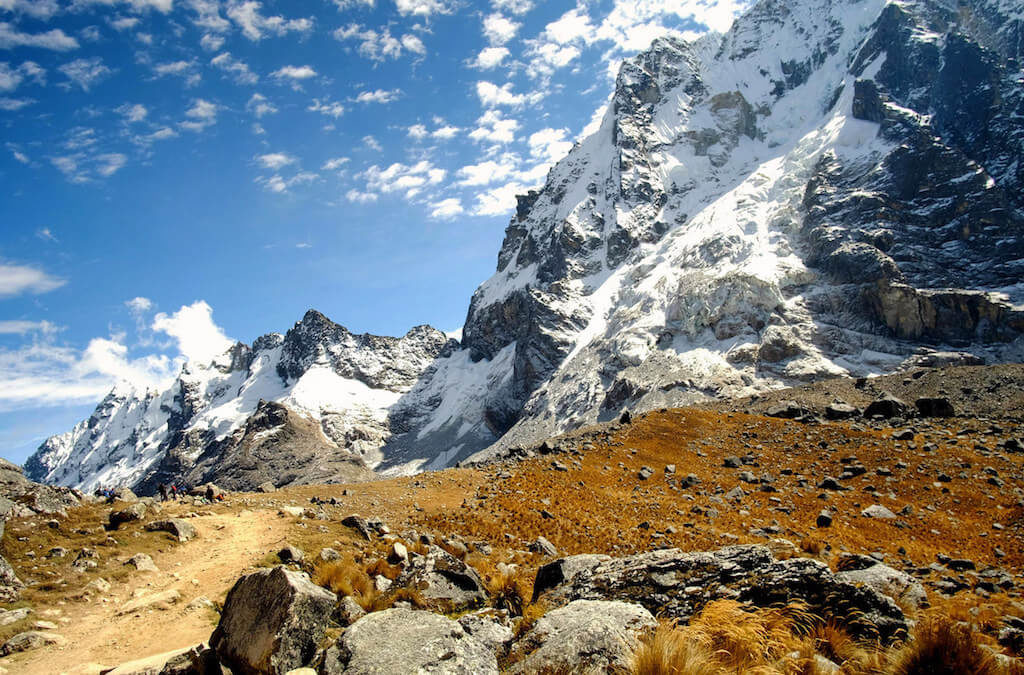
{"points": [[853, 525]]}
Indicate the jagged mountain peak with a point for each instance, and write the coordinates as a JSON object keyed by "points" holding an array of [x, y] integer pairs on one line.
{"points": [[829, 188]]}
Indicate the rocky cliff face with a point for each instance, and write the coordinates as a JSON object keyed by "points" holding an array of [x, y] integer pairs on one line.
{"points": [[829, 188]]}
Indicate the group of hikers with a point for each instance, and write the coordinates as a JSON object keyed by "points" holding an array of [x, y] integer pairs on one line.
{"points": [[167, 493]]}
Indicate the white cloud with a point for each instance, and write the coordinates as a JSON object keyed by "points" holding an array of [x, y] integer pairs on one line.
{"points": [[259, 106], [85, 72], [199, 339], [46, 235], [334, 163], [202, 114], [421, 7], [55, 39], [183, 69], [238, 69], [161, 134], [398, 177], [498, 201], [110, 163], [499, 29], [378, 96], [279, 184], [358, 197], [20, 279], [446, 208], [293, 73], [491, 95], [494, 128], [490, 57], [20, 156], [12, 104], [418, 132], [445, 132], [379, 46], [211, 42], [133, 112], [372, 143], [327, 107], [11, 78], [486, 172], [350, 4], [139, 305], [17, 327], [208, 18], [123, 23], [38, 9], [275, 160], [254, 25], [549, 144], [513, 6]]}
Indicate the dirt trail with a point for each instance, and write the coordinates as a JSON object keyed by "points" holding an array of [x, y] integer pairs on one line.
{"points": [[207, 566]]}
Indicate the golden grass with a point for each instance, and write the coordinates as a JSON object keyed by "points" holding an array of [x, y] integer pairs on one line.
{"points": [[942, 646], [343, 578], [508, 592]]}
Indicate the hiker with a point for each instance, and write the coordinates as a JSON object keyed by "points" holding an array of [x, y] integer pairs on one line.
{"points": [[163, 492], [209, 494], [174, 491]]}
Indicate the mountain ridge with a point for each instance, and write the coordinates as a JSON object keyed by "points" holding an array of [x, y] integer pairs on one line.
{"points": [[826, 189]]}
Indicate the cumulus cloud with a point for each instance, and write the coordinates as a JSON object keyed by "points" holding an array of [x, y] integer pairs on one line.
{"points": [[259, 106], [379, 45], [12, 104], [491, 95], [499, 29], [19, 327], [490, 57], [549, 144], [133, 112], [293, 73], [499, 200], [85, 72], [487, 172], [24, 279], [202, 114], [513, 6], [423, 8], [238, 69], [334, 163], [405, 178], [199, 339], [45, 234], [139, 305], [211, 42], [378, 96], [275, 160], [446, 209], [357, 197], [55, 39], [186, 70], [493, 127], [255, 26], [327, 107], [37, 9], [207, 17], [11, 78]]}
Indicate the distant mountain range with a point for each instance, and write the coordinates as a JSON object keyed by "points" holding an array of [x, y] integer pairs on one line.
{"points": [[830, 188]]}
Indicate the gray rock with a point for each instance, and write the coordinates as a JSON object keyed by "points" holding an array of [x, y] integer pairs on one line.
{"points": [[290, 553], [329, 555], [136, 511], [398, 554], [887, 406], [444, 581], [408, 641], [596, 634], [142, 562], [675, 584], [10, 585], [900, 586], [267, 487], [491, 627], [934, 407], [878, 511], [347, 611], [544, 547], [272, 622], [824, 518], [359, 524], [32, 639], [840, 410], [7, 617], [182, 529]]}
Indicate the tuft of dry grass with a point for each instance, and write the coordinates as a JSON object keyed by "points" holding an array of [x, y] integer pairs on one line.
{"points": [[743, 639], [344, 577], [669, 650], [942, 646], [508, 592], [814, 544]]}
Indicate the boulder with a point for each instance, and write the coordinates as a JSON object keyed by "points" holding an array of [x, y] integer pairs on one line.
{"points": [[347, 611], [675, 584], [934, 407], [31, 639], [290, 554], [158, 601], [599, 634], [7, 617], [789, 410], [491, 627], [116, 519], [544, 547], [10, 585], [142, 562], [444, 581], [866, 571], [359, 524], [398, 554], [272, 622], [267, 487], [878, 511], [887, 406], [840, 410], [408, 641], [182, 529]]}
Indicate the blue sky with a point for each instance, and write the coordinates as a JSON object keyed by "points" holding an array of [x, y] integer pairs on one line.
{"points": [[176, 173]]}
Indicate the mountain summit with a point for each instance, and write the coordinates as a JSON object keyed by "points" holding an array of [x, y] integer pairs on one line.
{"points": [[830, 188]]}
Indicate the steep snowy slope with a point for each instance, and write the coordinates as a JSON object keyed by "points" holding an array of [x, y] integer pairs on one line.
{"points": [[829, 188]]}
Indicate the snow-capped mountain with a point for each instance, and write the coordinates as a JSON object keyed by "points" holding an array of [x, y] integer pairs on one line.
{"points": [[828, 188]]}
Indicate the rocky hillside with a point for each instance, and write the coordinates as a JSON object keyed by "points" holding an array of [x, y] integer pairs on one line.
{"points": [[832, 188]]}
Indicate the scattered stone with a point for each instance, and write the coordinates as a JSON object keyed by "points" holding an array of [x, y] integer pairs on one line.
{"points": [[329, 555], [544, 547], [272, 622], [159, 601], [601, 634], [645, 473], [267, 487], [840, 410], [732, 462], [824, 518], [359, 524], [887, 407], [408, 641], [789, 410], [116, 519], [934, 407], [31, 639], [443, 581], [878, 511], [901, 587], [142, 562], [347, 611], [399, 554], [290, 554], [7, 617], [182, 529]]}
